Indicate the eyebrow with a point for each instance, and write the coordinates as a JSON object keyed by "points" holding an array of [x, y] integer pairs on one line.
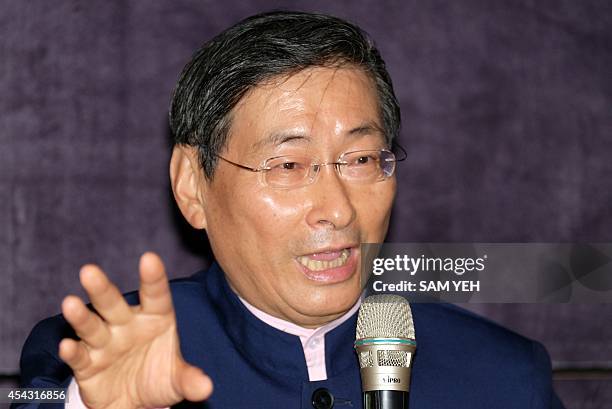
{"points": [[367, 128], [279, 138]]}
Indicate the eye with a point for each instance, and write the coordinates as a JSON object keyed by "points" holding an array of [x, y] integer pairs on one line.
{"points": [[365, 159], [288, 165]]}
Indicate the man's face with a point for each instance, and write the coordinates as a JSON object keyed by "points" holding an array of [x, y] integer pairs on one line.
{"points": [[271, 242]]}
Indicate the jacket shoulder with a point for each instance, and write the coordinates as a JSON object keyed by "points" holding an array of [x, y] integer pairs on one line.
{"points": [[462, 347], [459, 329], [40, 362]]}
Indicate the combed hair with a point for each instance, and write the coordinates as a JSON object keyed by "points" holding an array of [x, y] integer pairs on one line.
{"points": [[256, 50]]}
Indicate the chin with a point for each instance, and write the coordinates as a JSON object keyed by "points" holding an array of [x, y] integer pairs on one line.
{"points": [[331, 302]]}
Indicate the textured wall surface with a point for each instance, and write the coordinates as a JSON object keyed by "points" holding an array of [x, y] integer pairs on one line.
{"points": [[507, 119]]}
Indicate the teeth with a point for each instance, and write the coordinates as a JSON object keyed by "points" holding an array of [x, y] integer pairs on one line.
{"points": [[318, 265]]}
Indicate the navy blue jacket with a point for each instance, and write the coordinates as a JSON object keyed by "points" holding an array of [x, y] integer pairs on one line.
{"points": [[462, 360]]}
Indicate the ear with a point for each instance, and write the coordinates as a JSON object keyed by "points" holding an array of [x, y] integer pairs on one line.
{"points": [[188, 184]]}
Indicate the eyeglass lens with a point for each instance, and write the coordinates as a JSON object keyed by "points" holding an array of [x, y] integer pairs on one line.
{"points": [[359, 167]]}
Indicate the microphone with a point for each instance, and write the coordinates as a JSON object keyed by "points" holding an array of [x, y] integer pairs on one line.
{"points": [[385, 344]]}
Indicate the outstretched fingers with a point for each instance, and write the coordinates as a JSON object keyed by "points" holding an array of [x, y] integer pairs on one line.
{"points": [[86, 323], [105, 296], [75, 354], [155, 297]]}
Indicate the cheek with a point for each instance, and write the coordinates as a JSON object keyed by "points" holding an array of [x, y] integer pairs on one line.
{"points": [[280, 206], [261, 216], [374, 208]]}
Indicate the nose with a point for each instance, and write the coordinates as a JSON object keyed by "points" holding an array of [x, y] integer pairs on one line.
{"points": [[331, 202]]}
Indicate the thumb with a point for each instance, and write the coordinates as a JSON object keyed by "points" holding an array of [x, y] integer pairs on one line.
{"points": [[194, 385]]}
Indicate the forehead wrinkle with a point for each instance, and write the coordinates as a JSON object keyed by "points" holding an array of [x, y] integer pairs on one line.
{"points": [[283, 138], [298, 135], [279, 138], [329, 82], [368, 126]]}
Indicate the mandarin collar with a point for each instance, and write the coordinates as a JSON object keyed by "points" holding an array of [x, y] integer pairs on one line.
{"points": [[274, 351]]}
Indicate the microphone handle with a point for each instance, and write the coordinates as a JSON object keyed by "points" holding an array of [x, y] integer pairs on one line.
{"points": [[385, 400]]}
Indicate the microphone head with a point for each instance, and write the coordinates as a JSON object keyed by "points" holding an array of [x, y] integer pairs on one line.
{"points": [[385, 343], [385, 316]]}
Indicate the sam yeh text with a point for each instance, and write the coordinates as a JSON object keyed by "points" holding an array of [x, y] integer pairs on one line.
{"points": [[423, 286]]}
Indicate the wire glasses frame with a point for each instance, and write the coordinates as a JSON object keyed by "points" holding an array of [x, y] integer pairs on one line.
{"points": [[293, 171]]}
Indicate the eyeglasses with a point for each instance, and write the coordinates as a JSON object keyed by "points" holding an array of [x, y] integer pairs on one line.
{"points": [[294, 171]]}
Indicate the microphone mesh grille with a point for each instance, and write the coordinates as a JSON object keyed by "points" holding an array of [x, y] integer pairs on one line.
{"points": [[393, 358], [385, 316]]}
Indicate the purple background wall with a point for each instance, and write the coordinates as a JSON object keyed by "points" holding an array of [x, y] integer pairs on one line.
{"points": [[507, 112]]}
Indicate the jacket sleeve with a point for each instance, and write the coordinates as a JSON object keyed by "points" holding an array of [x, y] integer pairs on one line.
{"points": [[41, 366]]}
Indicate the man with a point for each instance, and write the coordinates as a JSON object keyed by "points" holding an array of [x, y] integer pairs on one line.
{"points": [[283, 153]]}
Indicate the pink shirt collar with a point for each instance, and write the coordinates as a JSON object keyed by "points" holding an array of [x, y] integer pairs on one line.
{"points": [[313, 339]]}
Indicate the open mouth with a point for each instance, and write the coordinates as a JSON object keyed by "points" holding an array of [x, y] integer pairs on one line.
{"points": [[329, 266], [326, 260]]}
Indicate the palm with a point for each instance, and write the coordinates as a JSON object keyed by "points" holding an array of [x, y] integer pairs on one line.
{"points": [[130, 358]]}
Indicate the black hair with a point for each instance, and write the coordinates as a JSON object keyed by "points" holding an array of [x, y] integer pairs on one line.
{"points": [[258, 49]]}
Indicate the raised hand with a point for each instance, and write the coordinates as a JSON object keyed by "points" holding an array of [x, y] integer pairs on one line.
{"points": [[129, 356]]}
